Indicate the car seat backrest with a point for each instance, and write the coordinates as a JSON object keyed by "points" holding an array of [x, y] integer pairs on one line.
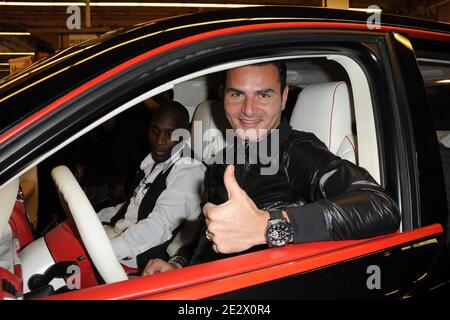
{"points": [[209, 124], [325, 110], [190, 93]]}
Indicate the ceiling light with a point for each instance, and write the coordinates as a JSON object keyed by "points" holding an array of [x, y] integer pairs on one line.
{"points": [[13, 33], [128, 4], [170, 4], [368, 10], [41, 4], [16, 53]]}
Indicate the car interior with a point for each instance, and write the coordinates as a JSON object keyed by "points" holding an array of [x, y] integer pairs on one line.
{"points": [[322, 100], [436, 76]]}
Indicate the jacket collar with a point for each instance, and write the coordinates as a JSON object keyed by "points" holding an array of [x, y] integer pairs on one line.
{"points": [[285, 130]]}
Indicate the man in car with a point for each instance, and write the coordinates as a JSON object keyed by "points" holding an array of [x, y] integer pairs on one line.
{"points": [[166, 193], [313, 196]]}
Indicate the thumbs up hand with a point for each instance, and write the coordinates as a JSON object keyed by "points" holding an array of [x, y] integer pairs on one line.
{"points": [[237, 224]]}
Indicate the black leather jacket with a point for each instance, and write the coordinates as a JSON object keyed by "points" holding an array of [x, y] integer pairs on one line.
{"points": [[326, 198]]}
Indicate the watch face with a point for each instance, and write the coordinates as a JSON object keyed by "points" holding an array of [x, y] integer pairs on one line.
{"points": [[279, 234]]}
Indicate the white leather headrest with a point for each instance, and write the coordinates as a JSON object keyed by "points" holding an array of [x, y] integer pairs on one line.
{"points": [[325, 110], [208, 130]]}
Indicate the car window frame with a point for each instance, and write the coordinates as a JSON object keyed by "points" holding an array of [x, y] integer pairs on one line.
{"points": [[427, 192]]}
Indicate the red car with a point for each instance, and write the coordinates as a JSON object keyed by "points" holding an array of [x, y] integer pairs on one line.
{"points": [[384, 86]]}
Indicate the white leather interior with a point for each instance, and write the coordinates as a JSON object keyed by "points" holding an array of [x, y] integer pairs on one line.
{"points": [[209, 125], [91, 230], [8, 196], [325, 109], [7, 250], [36, 259], [444, 138]]}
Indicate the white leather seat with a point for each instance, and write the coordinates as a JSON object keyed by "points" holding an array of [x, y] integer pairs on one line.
{"points": [[209, 125], [325, 110], [444, 138]]}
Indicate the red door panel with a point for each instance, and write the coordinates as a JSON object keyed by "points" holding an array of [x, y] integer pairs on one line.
{"points": [[20, 225], [217, 277]]}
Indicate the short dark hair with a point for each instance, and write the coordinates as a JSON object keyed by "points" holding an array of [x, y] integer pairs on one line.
{"points": [[281, 67], [173, 108]]}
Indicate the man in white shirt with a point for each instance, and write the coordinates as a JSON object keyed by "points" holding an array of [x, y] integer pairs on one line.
{"points": [[167, 193]]}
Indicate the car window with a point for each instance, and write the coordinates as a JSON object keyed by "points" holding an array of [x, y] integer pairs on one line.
{"points": [[107, 153], [124, 136], [436, 76], [107, 157]]}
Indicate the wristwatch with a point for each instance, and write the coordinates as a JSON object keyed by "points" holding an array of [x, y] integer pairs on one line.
{"points": [[279, 231]]}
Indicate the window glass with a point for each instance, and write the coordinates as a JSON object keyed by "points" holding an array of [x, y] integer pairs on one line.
{"points": [[436, 75]]}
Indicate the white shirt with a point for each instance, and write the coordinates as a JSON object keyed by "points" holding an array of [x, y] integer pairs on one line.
{"points": [[180, 201], [8, 248]]}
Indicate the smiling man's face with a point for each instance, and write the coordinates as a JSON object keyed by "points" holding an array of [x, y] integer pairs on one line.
{"points": [[253, 99]]}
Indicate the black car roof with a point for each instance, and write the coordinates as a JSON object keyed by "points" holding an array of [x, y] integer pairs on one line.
{"points": [[29, 90]]}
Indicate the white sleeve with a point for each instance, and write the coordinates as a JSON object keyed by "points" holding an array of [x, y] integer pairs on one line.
{"points": [[130, 217], [7, 249], [178, 202], [106, 214]]}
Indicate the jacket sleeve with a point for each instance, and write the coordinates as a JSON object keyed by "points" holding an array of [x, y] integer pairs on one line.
{"points": [[343, 201]]}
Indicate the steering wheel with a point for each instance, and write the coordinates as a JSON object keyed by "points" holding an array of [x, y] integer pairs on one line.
{"points": [[89, 226]]}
